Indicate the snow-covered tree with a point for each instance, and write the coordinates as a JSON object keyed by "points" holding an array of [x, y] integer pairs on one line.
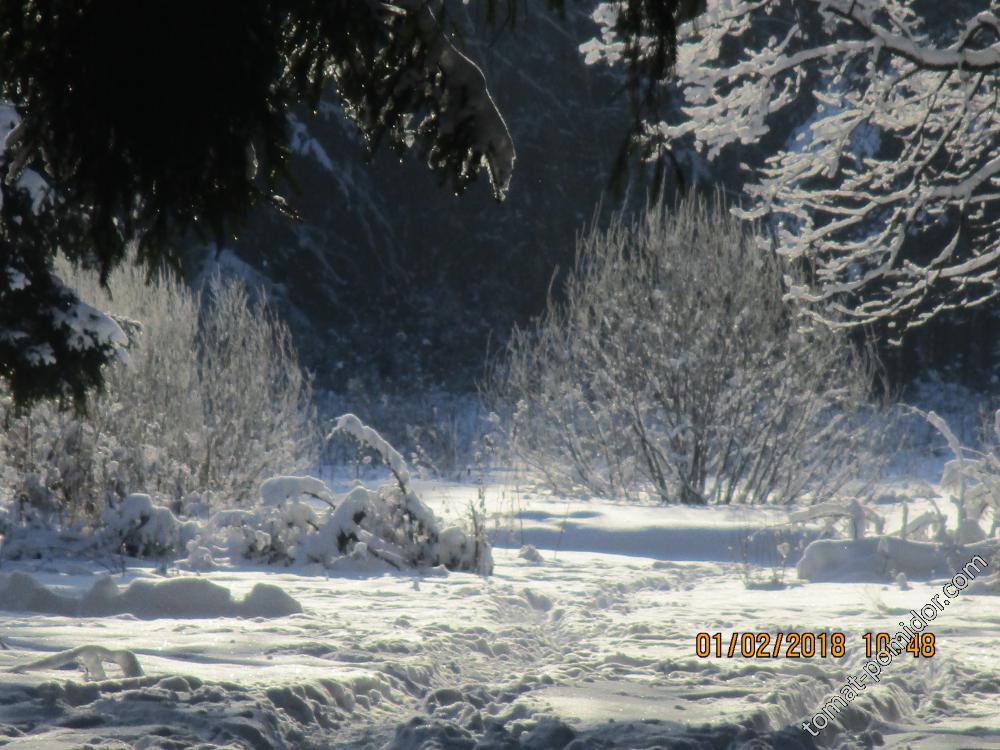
{"points": [[177, 123], [867, 132], [211, 401]]}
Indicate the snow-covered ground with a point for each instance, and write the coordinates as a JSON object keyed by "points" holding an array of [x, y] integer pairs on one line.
{"points": [[592, 641]]}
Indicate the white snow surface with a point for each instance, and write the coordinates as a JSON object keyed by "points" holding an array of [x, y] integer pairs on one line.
{"points": [[586, 636], [145, 599]]}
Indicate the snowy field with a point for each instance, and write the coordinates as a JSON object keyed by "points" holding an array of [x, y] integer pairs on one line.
{"points": [[744, 346], [588, 644]]}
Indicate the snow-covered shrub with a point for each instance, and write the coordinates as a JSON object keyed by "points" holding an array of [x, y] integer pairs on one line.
{"points": [[675, 369], [391, 523], [272, 531], [210, 401], [973, 479], [138, 527], [256, 400], [856, 516], [929, 545]]}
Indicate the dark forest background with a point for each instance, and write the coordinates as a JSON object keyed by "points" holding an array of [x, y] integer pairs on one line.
{"points": [[395, 285]]}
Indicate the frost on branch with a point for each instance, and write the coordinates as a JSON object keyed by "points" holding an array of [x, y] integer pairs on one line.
{"points": [[437, 102], [875, 138], [972, 478], [91, 659]]}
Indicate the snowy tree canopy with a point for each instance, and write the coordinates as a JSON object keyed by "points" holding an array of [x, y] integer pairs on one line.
{"points": [[140, 124], [874, 126]]}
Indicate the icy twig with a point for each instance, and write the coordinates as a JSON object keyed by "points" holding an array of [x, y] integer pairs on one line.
{"points": [[90, 658]]}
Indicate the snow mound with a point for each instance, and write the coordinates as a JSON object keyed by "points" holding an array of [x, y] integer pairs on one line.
{"points": [[987, 585], [885, 558], [141, 528], [530, 553], [171, 598], [157, 713]]}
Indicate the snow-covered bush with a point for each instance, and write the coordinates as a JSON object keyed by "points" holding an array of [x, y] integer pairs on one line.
{"points": [[855, 517], [675, 369], [138, 527], [389, 523], [973, 479], [930, 544], [210, 402]]}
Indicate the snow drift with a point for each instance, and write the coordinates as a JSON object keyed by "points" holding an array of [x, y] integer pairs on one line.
{"points": [[883, 558], [174, 598]]}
